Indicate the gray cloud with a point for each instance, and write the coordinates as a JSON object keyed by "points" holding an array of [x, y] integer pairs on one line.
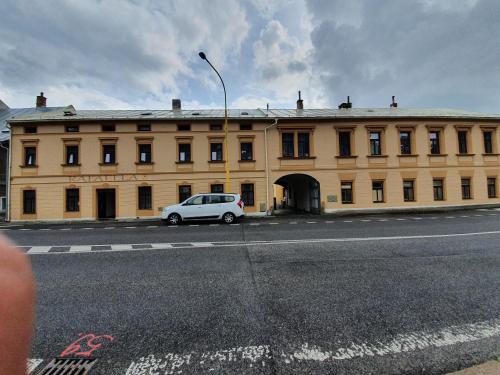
{"points": [[429, 54]]}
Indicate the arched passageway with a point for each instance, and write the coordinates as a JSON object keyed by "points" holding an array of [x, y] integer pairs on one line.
{"points": [[297, 192]]}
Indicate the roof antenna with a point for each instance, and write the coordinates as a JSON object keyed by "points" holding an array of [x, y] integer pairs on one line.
{"points": [[267, 106], [394, 104]]}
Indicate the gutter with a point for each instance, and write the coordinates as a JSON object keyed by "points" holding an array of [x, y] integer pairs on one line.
{"points": [[267, 164]]}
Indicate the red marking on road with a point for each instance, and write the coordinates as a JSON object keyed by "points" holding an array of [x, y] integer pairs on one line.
{"points": [[90, 343]]}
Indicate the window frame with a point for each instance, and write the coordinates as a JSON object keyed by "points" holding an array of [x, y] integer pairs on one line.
{"points": [[488, 185], [216, 192], [68, 127], [30, 129], [247, 142], [149, 205], [493, 144], [350, 134], [108, 128], [66, 154], [461, 145], [212, 144], [183, 185], [243, 193], [379, 192], [67, 201], [351, 190], [34, 199], [409, 192], [246, 126], [432, 143], [466, 189], [103, 154], [27, 147], [303, 155], [442, 196], [143, 127], [184, 127]]}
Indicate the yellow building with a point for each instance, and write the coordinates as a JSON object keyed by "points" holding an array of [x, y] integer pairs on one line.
{"points": [[73, 164]]}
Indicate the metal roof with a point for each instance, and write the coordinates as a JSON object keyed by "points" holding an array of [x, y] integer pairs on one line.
{"points": [[7, 113], [250, 114]]}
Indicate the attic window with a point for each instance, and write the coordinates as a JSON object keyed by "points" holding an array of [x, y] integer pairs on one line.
{"points": [[245, 126], [146, 113], [184, 127], [144, 127], [244, 113], [72, 128], [69, 113], [216, 126], [108, 128], [30, 129], [195, 113]]}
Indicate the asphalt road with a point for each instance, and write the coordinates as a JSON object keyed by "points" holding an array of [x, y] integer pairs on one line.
{"points": [[406, 294]]}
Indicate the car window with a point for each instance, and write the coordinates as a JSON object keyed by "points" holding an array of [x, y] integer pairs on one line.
{"points": [[214, 199], [228, 198], [195, 200]]}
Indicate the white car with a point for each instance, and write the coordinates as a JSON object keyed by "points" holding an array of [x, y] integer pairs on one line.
{"points": [[226, 207]]}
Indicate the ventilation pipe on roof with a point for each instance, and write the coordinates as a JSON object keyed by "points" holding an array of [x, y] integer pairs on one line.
{"points": [[300, 102], [394, 104], [176, 104], [41, 101], [346, 105]]}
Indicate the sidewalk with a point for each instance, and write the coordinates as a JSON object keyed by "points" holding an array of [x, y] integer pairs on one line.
{"points": [[488, 368]]}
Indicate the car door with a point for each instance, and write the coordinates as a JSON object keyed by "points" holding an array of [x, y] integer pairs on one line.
{"points": [[215, 206], [193, 208]]}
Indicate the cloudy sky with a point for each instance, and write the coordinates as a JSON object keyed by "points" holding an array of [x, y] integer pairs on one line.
{"points": [[126, 54]]}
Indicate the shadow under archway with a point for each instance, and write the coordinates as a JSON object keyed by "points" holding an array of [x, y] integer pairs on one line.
{"points": [[299, 193]]}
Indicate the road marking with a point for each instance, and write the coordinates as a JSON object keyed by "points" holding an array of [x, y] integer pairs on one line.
{"points": [[45, 229], [416, 218], [311, 222], [142, 247], [87, 228], [130, 227], [33, 363], [478, 215], [161, 245], [152, 226], [449, 217], [65, 229], [216, 225], [25, 229], [464, 215], [383, 220], [347, 221], [194, 225], [401, 219], [260, 356], [254, 224], [273, 223], [492, 214], [109, 228], [292, 222], [330, 222]]}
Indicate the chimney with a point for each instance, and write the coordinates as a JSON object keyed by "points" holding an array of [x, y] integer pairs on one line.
{"points": [[394, 104], [176, 104], [41, 101], [346, 105], [300, 103]]}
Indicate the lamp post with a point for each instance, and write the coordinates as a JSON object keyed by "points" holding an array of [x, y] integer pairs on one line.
{"points": [[226, 153]]}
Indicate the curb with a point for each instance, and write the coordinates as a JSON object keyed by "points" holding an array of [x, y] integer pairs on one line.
{"points": [[488, 368]]}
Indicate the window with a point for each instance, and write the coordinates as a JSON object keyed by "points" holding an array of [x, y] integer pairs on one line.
{"points": [[492, 187], [245, 126], [216, 127], [72, 200], [72, 128], [462, 141], [200, 199], [145, 197], [405, 142], [409, 190], [144, 127], [217, 188], [434, 142], [184, 152], [345, 143], [247, 194], [488, 142], [437, 185], [246, 150], [466, 191], [30, 156], [29, 202], [108, 128], [378, 191], [30, 129], [184, 192], [346, 192], [375, 145], [183, 127], [71, 154], [216, 151], [287, 144], [303, 144], [108, 154], [144, 153]]}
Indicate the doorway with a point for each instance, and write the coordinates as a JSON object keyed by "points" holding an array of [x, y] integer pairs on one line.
{"points": [[106, 204], [298, 193]]}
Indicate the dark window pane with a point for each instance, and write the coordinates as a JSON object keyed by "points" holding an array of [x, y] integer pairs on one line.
{"points": [[246, 150], [72, 155], [72, 128], [184, 192], [245, 126], [145, 153], [434, 142], [378, 191], [108, 128], [492, 187], [217, 188], [29, 202], [184, 152], [216, 127], [303, 145], [345, 143], [438, 190], [287, 144], [375, 144], [462, 142], [247, 194], [488, 142], [408, 191], [216, 151], [30, 156], [72, 200], [145, 198], [108, 154], [184, 127], [30, 129], [144, 127], [346, 192], [405, 139], [466, 190]]}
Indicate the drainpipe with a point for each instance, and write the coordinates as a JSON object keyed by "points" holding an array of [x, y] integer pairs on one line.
{"points": [[267, 164], [8, 170]]}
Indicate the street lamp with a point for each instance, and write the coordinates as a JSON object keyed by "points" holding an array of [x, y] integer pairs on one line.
{"points": [[226, 153]]}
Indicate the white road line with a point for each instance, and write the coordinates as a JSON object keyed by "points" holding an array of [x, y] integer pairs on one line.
{"points": [[33, 364], [254, 224], [347, 221], [292, 222], [87, 228], [216, 225], [383, 220], [202, 244], [416, 218], [365, 220], [401, 219], [329, 222], [273, 223], [130, 227], [449, 217], [478, 215], [25, 229], [161, 245], [194, 225], [46, 229], [109, 228], [45, 249], [311, 222], [152, 226], [259, 356], [492, 214], [121, 247], [80, 248], [65, 229], [464, 215], [433, 218]]}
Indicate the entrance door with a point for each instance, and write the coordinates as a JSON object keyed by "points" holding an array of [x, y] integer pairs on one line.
{"points": [[106, 206]]}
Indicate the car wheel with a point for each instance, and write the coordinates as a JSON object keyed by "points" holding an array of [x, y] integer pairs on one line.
{"points": [[174, 219], [228, 217]]}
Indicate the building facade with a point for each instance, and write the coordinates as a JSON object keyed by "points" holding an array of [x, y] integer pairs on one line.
{"points": [[72, 164]]}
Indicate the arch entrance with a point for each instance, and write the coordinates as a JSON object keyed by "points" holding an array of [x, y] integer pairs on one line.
{"points": [[297, 193]]}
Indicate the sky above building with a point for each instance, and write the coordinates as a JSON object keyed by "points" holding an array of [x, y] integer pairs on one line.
{"points": [[129, 54]]}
